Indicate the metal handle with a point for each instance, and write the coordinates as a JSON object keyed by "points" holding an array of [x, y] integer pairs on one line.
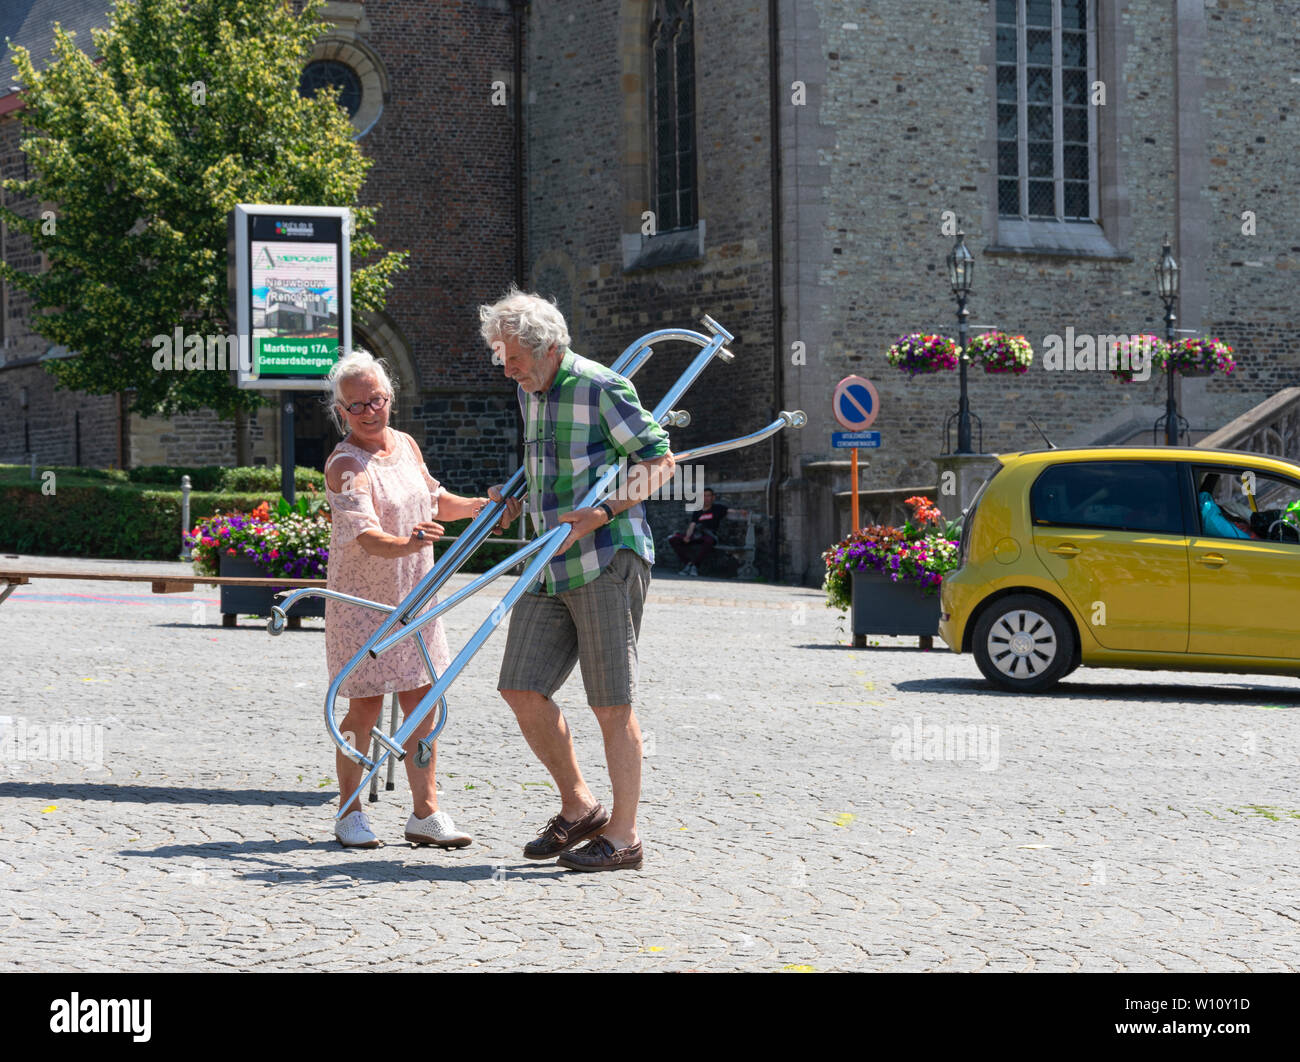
{"points": [[1214, 560], [1065, 550]]}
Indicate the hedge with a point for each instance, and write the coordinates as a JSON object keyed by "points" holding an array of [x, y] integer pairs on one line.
{"points": [[216, 478], [118, 521]]}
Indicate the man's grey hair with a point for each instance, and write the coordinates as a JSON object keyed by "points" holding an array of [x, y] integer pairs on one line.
{"points": [[536, 322], [356, 363]]}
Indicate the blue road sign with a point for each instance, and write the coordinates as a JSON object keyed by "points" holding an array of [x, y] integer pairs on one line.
{"points": [[866, 440], [855, 403]]}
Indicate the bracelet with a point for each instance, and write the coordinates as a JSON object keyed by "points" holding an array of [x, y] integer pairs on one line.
{"points": [[608, 512]]}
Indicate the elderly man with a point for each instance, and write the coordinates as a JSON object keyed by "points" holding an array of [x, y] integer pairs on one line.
{"points": [[579, 419]]}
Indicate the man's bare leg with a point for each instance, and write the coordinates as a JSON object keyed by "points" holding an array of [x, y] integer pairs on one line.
{"points": [[623, 754], [547, 733]]}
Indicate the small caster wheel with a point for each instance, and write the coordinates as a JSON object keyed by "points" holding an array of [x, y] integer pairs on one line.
{"points": [[423, 754], [275, 625]]}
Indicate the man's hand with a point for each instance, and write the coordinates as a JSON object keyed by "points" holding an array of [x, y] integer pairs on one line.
{"points": [[513, 508], [584, 522]]}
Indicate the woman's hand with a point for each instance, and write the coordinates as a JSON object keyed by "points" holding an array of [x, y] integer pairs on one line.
{"points": [[425, 533]]}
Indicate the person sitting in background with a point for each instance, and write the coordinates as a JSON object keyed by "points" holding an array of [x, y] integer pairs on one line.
{"points": [[700, 538], [1213, 519]]}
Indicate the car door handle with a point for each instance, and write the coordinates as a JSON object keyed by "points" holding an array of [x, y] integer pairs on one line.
{"points": [[1215, 560], [1065, 550]]}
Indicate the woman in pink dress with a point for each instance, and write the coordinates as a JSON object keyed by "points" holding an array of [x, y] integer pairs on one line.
{"points": [[384, 504]]}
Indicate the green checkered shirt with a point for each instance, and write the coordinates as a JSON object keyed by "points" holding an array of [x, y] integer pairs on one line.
{"points": [[589, 420]]}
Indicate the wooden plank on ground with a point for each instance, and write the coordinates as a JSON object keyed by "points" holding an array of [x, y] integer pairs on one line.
{"points": [[174, 583]]}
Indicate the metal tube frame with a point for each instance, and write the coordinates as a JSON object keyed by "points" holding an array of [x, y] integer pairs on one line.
{"points": [[405, 619]]}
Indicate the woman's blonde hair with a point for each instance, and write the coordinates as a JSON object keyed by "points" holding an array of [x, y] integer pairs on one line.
{"points": [[355, 363]]}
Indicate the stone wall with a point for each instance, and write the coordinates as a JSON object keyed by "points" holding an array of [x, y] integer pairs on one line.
{"points": [[470, 439], [588, 182], [900, 125]]}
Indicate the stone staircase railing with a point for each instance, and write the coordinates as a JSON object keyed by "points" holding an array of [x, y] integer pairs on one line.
{"points": [[1272, 427]]}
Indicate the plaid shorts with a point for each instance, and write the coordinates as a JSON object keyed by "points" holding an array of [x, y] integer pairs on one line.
{"points": [[597, 623]]}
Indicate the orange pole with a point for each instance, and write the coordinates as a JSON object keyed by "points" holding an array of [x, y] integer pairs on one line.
{"points": [[854, 511]]}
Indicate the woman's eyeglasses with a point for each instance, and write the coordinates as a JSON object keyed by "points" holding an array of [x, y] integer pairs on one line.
{"points": [[375, 403]]}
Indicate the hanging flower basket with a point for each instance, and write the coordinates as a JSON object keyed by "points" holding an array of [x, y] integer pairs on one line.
{"points": [[1198, 356], [1134, 356], [917, 354], [1001, 353]]}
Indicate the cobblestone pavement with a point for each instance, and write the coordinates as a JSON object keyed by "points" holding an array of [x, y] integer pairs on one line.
{"points": [[807, 806]]}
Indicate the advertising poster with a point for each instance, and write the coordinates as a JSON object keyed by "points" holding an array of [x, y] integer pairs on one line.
{"points": [[295, 308], [292, 273]]}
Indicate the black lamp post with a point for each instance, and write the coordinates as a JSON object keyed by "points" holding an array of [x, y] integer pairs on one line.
{"points": [[961, 272], [1167, 283]]}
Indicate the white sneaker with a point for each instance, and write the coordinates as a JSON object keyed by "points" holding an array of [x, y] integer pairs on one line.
{"points": [[436, 829], [353, 831]]}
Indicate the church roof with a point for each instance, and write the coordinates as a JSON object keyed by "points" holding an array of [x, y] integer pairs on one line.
{"points": [[31, 24]]}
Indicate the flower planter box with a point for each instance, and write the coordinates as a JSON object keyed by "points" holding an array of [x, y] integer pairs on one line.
{"points": [[881, 606], [239, 601]]}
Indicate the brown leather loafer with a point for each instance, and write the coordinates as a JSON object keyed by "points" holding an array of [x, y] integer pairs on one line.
{"points": [[600, 854], [559, 834]]}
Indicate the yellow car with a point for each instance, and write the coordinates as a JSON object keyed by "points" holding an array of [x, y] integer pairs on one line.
{"points": [[1162, 557]]}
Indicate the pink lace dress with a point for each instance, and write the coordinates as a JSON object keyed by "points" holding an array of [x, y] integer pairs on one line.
{"points": [[399, 494]]}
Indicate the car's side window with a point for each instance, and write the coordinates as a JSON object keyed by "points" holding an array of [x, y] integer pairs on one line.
{"points": [[1112, 495], [1247, 503]]}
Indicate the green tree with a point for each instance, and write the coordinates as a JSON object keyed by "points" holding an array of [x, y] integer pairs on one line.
{"points": [[137, 159]]}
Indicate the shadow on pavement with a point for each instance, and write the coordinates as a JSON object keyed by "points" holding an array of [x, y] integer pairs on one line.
{"points": [[157, 794], [254, 861], [1236, 693], [252, 626], [877, 648]]}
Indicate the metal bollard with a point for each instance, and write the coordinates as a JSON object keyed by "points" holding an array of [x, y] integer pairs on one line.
{"points": [[186, 553], [32, 458]]}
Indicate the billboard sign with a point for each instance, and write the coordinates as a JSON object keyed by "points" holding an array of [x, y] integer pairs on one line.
{"points": [[291, 285]]}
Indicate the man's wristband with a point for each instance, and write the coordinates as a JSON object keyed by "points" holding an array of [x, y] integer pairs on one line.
{"points": [[608, 511]]}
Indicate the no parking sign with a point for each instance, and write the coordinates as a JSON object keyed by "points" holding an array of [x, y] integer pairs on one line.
{"points": [[856, 403], [855, 406]]}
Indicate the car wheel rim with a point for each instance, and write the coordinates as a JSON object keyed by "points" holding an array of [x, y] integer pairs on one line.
{"points": [[1022, 644]]}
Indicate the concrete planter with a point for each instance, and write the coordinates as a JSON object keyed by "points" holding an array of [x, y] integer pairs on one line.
{"points": [[239, 601], [881, 606]]}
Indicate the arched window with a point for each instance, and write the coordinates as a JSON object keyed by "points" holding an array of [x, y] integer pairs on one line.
{"points": [[673, 114], [328, 73]]}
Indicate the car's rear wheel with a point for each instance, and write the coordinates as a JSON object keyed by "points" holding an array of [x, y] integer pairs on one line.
{"points": [[1023, 643]]}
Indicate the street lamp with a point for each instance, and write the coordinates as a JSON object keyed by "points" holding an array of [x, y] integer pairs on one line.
{"points": [[1167, 284], [961, 272]]}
